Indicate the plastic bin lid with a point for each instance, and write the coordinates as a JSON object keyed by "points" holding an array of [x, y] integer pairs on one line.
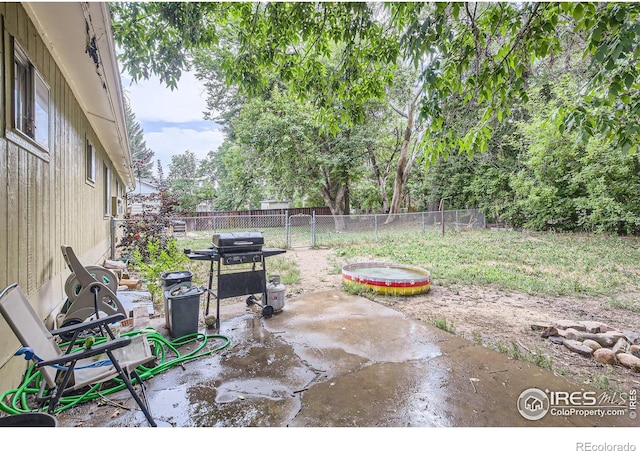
{"points": [[185, 290], [176, 275]]}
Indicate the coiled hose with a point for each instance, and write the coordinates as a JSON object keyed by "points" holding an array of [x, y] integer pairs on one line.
{"points": [[15, 401]]}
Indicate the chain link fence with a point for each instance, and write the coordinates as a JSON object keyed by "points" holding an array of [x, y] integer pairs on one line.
{"points": [[313, 230]]}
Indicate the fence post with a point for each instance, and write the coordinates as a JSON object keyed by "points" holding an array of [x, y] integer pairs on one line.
{"points": [[442, 211], [113, 238], [424, 224], [287, 233], [375, 221], [313, 229]]}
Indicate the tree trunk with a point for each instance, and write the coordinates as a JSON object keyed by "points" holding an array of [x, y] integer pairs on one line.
{"points": [[382, 181], [335, 202], [403, 168], [405, 161]]}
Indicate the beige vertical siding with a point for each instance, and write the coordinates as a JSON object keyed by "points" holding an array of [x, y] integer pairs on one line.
{"points": [[45, 202]]}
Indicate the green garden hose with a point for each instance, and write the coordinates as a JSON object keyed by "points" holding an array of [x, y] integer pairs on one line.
{"points": [[15, 401]]}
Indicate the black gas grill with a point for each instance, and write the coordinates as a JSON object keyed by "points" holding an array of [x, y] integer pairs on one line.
{"points": [[238, 260], [237, 248]]}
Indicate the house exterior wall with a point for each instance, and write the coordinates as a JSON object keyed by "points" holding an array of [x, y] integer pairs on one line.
{"points": [[46, 199], [135, 206], [273, 204]]}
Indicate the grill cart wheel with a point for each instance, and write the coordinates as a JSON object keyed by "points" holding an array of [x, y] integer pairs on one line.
{"points": [[267, 311]]}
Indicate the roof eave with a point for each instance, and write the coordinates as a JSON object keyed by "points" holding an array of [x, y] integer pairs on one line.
{"points": [[84, 51]]}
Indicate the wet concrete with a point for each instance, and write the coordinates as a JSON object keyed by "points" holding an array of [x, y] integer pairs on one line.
{"points": [[332, 359]]}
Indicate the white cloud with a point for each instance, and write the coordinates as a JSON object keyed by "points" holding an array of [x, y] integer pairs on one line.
{"points": [[172, 121], [175, 141], [151, 101]]}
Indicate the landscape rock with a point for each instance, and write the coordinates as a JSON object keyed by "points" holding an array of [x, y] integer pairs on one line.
{"points": [[628, 360], [635, 350], [539, 326], [604, 355], [593, 327], [574, 334], [556, 340], [604, 340], [578, 347], [607, 328], [568, 324], [633, 337], [614, 334], [592, 344], [549, 332], [621, 346]]}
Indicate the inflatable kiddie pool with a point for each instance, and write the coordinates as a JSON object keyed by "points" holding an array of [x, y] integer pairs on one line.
{"points": [[387, 278]]}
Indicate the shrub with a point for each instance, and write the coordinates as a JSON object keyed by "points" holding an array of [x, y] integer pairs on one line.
{"points": [[159, 259]]}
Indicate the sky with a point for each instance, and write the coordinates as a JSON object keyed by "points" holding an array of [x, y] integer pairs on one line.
{"points": [[172, 121]]}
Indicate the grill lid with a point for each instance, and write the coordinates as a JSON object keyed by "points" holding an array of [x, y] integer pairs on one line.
{"points": [[238, 241]]}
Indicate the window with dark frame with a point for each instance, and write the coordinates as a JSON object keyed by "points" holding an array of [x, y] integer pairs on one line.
{"points": [[91, 162], [107, 191], [31, 99]]}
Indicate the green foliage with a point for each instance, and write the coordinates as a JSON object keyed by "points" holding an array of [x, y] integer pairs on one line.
{"points": [[279, 143], [473, 55], [442, 323], [528, 110], [566, 184], [632, 305], [285, 268], [152, 225], [537, 264], [160, 258], [357, 289], [512, 349], [187, 183]]}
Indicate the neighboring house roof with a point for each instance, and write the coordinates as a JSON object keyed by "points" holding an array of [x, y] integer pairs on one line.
{"points": [[85, 52], [145, 187]]}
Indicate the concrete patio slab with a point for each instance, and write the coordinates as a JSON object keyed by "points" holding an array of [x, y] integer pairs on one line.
{"points": [[330, 359]]}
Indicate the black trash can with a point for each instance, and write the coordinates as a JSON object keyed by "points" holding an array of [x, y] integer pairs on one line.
{"points": [[31, 419], [182, 308], [169, 279]]}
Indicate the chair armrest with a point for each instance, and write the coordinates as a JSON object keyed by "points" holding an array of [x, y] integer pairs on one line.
{"points": [[93, 351], [89, 324]]}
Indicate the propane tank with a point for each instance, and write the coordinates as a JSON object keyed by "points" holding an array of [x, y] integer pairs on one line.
{"points": [[275, 293]]}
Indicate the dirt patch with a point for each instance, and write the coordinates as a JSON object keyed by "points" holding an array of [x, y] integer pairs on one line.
{"points": [[496, 319]]}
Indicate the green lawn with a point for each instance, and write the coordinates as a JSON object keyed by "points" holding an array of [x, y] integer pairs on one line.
{"points": [[532, 263]]}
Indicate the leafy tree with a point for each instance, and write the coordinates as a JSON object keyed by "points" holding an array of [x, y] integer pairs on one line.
{"points": [[567, 184], [160, 173], [141, 155], [238, 184], [186, 182], [474, 54], [294, 154]]}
